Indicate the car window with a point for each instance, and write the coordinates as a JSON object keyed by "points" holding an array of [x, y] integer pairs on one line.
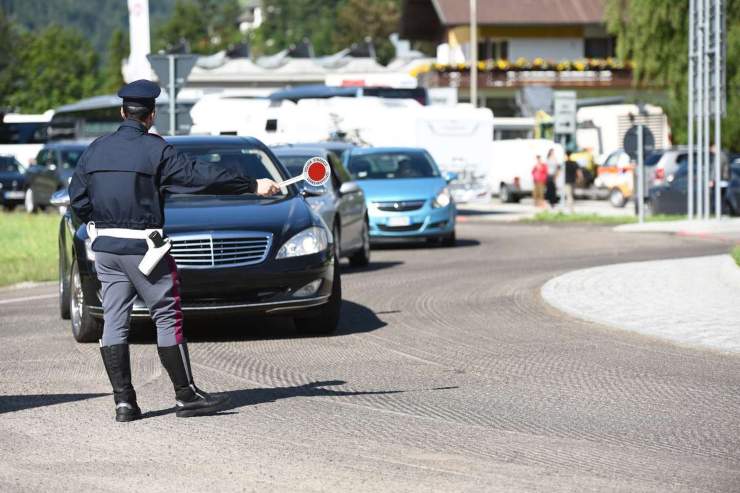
{"points": [[391, 165], [68, 159], [653, 158], [23, 133], [9, 165], [44, 157], [251, 162], [612, 159], [338, 168]]}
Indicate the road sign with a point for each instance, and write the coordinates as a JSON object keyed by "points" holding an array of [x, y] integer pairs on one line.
{"points": [[183, 65], [172, 71], [630, 143], [183, 122], [316, 172], [564, 118]]}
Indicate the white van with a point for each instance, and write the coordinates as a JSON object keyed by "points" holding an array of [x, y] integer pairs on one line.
{"points": [[23, 136], [509, 174]]}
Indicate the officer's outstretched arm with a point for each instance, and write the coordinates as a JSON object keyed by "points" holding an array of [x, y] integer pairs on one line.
{"points": [[182, 174], [79, 200]]}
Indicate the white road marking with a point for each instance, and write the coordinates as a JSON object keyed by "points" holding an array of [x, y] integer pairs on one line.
{"points": [[28, 298]]}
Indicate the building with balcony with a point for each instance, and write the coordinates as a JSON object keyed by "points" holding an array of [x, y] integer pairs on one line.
{"points": [[525, 49]]}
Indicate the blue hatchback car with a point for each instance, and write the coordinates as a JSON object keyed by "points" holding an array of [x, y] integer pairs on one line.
{"points": [[407, 196]]}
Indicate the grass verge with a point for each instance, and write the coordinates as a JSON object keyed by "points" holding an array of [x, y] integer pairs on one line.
{"points": [[28, 247], [562, 217], [736, 254]]}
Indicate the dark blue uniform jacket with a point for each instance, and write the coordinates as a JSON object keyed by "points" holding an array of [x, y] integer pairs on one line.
{"points": [[121, 179]]}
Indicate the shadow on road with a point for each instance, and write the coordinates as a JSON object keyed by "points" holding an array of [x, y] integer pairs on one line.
{"points": [[423, 245], [10, 403], [355, 318], [371, 267], [251, 397]]}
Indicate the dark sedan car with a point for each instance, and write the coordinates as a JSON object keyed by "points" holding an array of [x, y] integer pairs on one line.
{"points": [[52, 171], [12, 182], [235, 254], [671, 197]]}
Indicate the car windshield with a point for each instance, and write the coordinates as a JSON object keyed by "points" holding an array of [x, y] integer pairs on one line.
{"points": [[23, 133], [70, 157], [248, 161], [390, 165], [8, 165], [295, 163]]}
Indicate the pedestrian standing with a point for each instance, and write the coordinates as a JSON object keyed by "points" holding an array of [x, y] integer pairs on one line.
{"points": [[553, 169], [539, 179], [572, 175], [118, 189]]}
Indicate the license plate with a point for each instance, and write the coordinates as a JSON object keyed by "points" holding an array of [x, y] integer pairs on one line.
{"points": [[399, 221], [14, 194]]}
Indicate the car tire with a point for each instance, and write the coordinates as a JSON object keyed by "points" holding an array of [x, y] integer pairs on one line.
{"points": [[64, 302], [337, 234], [361, 258], [85, 328], [506, 195], [29, 203], [323, 320], [449, 240], [617, 198]]}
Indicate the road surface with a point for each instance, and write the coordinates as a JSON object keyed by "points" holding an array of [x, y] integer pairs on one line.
{"points": [[449, 373]]}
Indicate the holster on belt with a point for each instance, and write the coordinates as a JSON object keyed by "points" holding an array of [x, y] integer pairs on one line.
{"points": [[154, 254]]}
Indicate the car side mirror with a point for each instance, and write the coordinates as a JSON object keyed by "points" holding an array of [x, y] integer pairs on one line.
{"points": [[450, 176], [349, 187], [60, 198], [312, 191]]}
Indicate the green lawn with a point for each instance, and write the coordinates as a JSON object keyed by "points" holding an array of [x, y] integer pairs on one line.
{"points": [[561, 217], [28, 247], [736, 254]]}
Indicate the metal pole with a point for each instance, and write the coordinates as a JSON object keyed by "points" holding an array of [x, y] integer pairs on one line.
{"points": [[474, 53], [706, 69], [692, 88], [171, 91], [717, 110], [640, 174], [699, 183]]}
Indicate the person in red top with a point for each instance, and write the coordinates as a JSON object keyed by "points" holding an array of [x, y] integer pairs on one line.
{"points": [[539, 177]]}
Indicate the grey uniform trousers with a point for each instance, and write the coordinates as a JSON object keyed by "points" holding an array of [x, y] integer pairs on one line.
{"points": [[121, 281]]}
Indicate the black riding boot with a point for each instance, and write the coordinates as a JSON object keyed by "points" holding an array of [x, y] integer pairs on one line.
{"points": [[118, 366], [191, 401]]}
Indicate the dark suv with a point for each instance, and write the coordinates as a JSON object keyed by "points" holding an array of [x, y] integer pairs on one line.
{"points": [[54, 166]]}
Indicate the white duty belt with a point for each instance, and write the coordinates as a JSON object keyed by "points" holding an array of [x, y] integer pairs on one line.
{"points": [[153, 254]]}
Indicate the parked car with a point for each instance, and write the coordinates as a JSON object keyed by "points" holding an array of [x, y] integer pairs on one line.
{"points": [[342, 206], [12, 182], [235, 254], [407, 196], [671, 197], [55, 164]]}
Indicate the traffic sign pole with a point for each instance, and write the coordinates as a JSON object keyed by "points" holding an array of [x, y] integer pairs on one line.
{"points": [[172, 93], [640, 174]]}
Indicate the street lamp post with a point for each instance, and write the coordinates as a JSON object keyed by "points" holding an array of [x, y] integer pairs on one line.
{"points": [[474, 53]]}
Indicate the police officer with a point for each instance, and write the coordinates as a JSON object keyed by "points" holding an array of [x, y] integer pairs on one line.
{"points": [[118, 189]]}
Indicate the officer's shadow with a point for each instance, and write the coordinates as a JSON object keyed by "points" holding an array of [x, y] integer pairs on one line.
{"points": [[251, 397]]}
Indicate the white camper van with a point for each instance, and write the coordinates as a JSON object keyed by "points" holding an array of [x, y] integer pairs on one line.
{"points": [[510, 172], [23, 136]]}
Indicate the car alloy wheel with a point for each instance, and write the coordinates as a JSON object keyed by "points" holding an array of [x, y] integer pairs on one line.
{"points": [[28, 202], [616, 198], [85, 328], [362, 257]]}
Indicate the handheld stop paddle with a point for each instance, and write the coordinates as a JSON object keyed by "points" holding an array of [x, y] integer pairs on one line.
{"points": [[316, 172]]}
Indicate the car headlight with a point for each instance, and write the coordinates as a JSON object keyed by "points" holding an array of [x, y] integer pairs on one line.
{"points": [[307, 242], [442, 199], [88, 250]]}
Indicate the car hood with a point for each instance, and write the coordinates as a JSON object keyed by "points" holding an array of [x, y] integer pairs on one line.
{"points": [[212, 213], [401, 188]]}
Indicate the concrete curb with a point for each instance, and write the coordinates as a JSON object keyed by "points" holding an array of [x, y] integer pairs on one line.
{"points": [[690, 302]]}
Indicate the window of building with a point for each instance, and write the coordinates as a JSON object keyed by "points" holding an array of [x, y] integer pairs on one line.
{"points": [[493, 49], [599, 47]]}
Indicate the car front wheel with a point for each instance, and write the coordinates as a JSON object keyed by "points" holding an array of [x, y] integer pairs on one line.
{"points": [[85, 328], [362, 257], [29, 203], [325, 319], [617, 198]]}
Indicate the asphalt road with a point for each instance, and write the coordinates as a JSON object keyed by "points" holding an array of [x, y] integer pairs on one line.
{"points": [[449, 373]]}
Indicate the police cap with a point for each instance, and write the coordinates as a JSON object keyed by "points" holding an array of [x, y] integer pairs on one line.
{"points": [[140, 92]]}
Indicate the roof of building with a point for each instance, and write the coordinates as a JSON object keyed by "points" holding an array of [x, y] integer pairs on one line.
{"points": [[424, 19], [522, 12]]}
